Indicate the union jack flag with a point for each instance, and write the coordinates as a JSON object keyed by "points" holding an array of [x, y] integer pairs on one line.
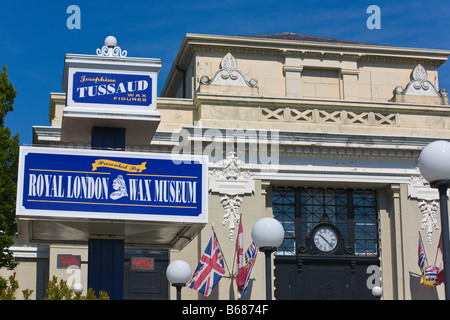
{"points": [[210, 269]]}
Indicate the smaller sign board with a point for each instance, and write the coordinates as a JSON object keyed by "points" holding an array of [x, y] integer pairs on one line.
{"points": [[93, 82], [66, 260], [111, 88], [142, 264]]}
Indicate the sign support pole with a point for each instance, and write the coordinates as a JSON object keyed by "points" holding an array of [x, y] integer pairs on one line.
{"points": [[106, 256]]}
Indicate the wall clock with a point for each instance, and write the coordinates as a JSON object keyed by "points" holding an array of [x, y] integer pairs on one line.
{"points": [[325, 238]]}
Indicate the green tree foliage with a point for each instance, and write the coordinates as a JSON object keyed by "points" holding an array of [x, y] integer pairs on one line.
{"points": [[59, 290], [9, 291], [9, 155]]}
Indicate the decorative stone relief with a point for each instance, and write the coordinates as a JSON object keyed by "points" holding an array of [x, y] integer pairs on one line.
{"points": [[231, 205], [343, 117], [228, 75], [420, 85], [232, 182], [419, 188], [428, 210], [230, 179]]}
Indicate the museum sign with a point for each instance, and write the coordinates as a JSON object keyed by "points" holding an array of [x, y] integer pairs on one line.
{"points": [[111, 184]]}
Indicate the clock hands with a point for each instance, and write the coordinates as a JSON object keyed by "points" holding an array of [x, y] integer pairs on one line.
{"points": [[325, 240]]}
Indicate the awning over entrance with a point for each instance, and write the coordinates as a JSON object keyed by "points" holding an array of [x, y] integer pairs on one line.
{"points": [[170, 235]]}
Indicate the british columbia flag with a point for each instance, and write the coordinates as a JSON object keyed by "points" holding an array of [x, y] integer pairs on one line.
{"points": [[209, 270], [250, 257]]}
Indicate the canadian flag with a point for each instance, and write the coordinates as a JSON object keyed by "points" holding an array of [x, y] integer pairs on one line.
{"points": [[241, 274]]}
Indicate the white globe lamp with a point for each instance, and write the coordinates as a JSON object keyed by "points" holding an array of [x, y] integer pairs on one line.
{"points": [[268, 234], [434, 162], [178, 273], [110, 41]]}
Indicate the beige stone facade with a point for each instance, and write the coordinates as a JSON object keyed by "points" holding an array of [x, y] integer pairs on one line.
{"points": [[302, 112]]}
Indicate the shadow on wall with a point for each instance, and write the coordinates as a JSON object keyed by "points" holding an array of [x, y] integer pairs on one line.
{"points": [[419, 291]]}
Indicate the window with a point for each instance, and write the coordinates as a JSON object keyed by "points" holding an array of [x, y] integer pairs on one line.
{"points": [[353, 211], [364, 207], [284, 211]]}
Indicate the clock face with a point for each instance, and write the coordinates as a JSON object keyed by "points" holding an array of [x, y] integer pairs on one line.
{"points": [[325, 239]]}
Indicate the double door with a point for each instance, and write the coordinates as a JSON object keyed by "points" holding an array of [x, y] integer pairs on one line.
{"points": [[340, 268], [322, 280], [145, 274]]}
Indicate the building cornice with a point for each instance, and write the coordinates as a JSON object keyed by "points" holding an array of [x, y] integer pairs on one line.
{"points": [[294, 45], [301, 144], [251, 45], [289, 143]]}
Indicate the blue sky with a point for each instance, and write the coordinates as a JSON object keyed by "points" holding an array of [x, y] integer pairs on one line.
{"points": [[34, 37]]}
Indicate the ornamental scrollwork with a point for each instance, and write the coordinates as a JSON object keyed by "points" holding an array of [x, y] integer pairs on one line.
{"points": [[420, 85], [231, 205], [428, 210], [231, 169], [111, 52], [231, 182], [111, 49], [229, 75]]}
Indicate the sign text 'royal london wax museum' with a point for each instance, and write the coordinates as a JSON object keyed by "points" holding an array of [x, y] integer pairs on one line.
{"points": [[98, 184]]}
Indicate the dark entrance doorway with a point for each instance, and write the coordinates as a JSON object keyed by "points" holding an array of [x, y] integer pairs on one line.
{"points": [[145, 274], [331, 239]]}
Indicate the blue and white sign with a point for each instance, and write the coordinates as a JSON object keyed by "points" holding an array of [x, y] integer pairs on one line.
{"points": [[111, 185], [102, 82], [112, 88], [100, 88]]}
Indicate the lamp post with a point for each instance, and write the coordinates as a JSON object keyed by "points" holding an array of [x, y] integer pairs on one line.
{"points": [[178, 273], [268, 234], [434, 165]]}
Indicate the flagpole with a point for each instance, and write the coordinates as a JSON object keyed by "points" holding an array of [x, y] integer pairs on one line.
{"points": [[234, 257], [225, 260], [437, 251]]}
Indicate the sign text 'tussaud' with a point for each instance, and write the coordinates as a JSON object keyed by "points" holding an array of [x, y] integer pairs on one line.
{"points": [[112, 88]]}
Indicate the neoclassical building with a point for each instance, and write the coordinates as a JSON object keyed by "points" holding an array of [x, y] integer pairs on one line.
{"points": [[304, 129]]}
